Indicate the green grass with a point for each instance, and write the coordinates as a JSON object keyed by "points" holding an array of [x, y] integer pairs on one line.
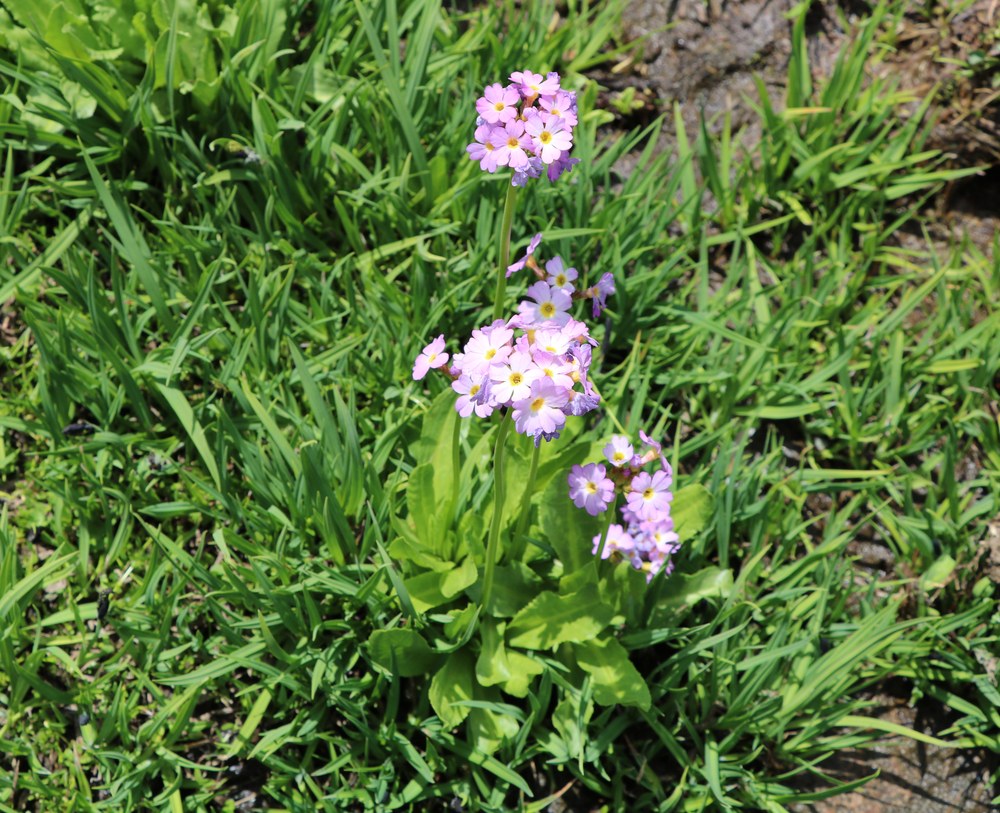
{"points": [[239, 336]]}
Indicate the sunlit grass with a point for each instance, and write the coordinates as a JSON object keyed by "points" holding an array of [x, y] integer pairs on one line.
{"points": [[206, 381]]}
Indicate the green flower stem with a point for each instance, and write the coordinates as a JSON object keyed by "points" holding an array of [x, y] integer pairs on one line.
{"points": [[499, 494], [456, 466], [505, 224], [607, 527], [522, 521]]}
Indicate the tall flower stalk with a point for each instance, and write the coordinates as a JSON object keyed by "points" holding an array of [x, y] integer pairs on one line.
{"points": [[505, 226], [530, 367], [499, 496]]}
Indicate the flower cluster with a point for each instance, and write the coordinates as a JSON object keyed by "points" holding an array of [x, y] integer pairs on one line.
{"points": [[527, 126], [647, 538], [559, 278], [536, 363]]}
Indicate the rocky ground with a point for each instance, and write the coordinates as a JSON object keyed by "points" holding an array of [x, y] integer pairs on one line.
{"points": [[705, 54]]}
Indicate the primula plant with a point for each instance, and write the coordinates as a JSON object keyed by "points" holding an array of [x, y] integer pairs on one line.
{"points": [[648, 538], [507, 591]]}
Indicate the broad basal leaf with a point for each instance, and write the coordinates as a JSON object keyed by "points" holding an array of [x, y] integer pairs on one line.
{"points": [[404, 652], [453, 683], [523, 670], [614, 678], [434, 588], [492, 666], [552, 619], [691, 510], [688, 588]]}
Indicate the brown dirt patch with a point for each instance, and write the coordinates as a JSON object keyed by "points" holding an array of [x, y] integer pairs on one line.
{"points": [[913, 777], [704, 55]]}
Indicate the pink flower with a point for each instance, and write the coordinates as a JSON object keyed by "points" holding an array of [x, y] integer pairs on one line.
{"points": [[619, 541], [532, 170], [558, 276], [497, 104], [582, 402], [649, 497], [532, 84], [590, 489], [430, 357], [519, 264], [486, 347], [618, 451], [554, 367], [550, 138], [549, 305], [662, 536], [561, 105], [657, 451], [469, 390], [600, 292], [512, 151], [562, 164], [552, 341], [483, 150], [512, 381], [541, 412]]}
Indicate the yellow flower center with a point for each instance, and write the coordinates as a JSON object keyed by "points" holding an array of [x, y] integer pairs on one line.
{"points": [[548, 310], [537, 404], [545, 136], [491, 353], [512, 142], [516, 378], [473, 389], [648, 494], [592, 487], [560, 280], [499, 106]]}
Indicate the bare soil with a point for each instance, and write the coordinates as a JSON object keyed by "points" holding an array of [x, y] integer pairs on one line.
{"points": [[706, 54]]}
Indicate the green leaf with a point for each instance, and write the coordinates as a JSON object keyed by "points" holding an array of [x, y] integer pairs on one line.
{"points": [[453, 684], [570, 719], [516, 584], [489, 728], [435, 444], [686, 589], [691, 510], [433, 589], [194, 430], [492, 665], [523, 668], [615, 679], [422, 503], [408, 550], [569, 530], [552, 619], [624, 588], [403, 652], [251, 724], [457, 628], [938, 573]]}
